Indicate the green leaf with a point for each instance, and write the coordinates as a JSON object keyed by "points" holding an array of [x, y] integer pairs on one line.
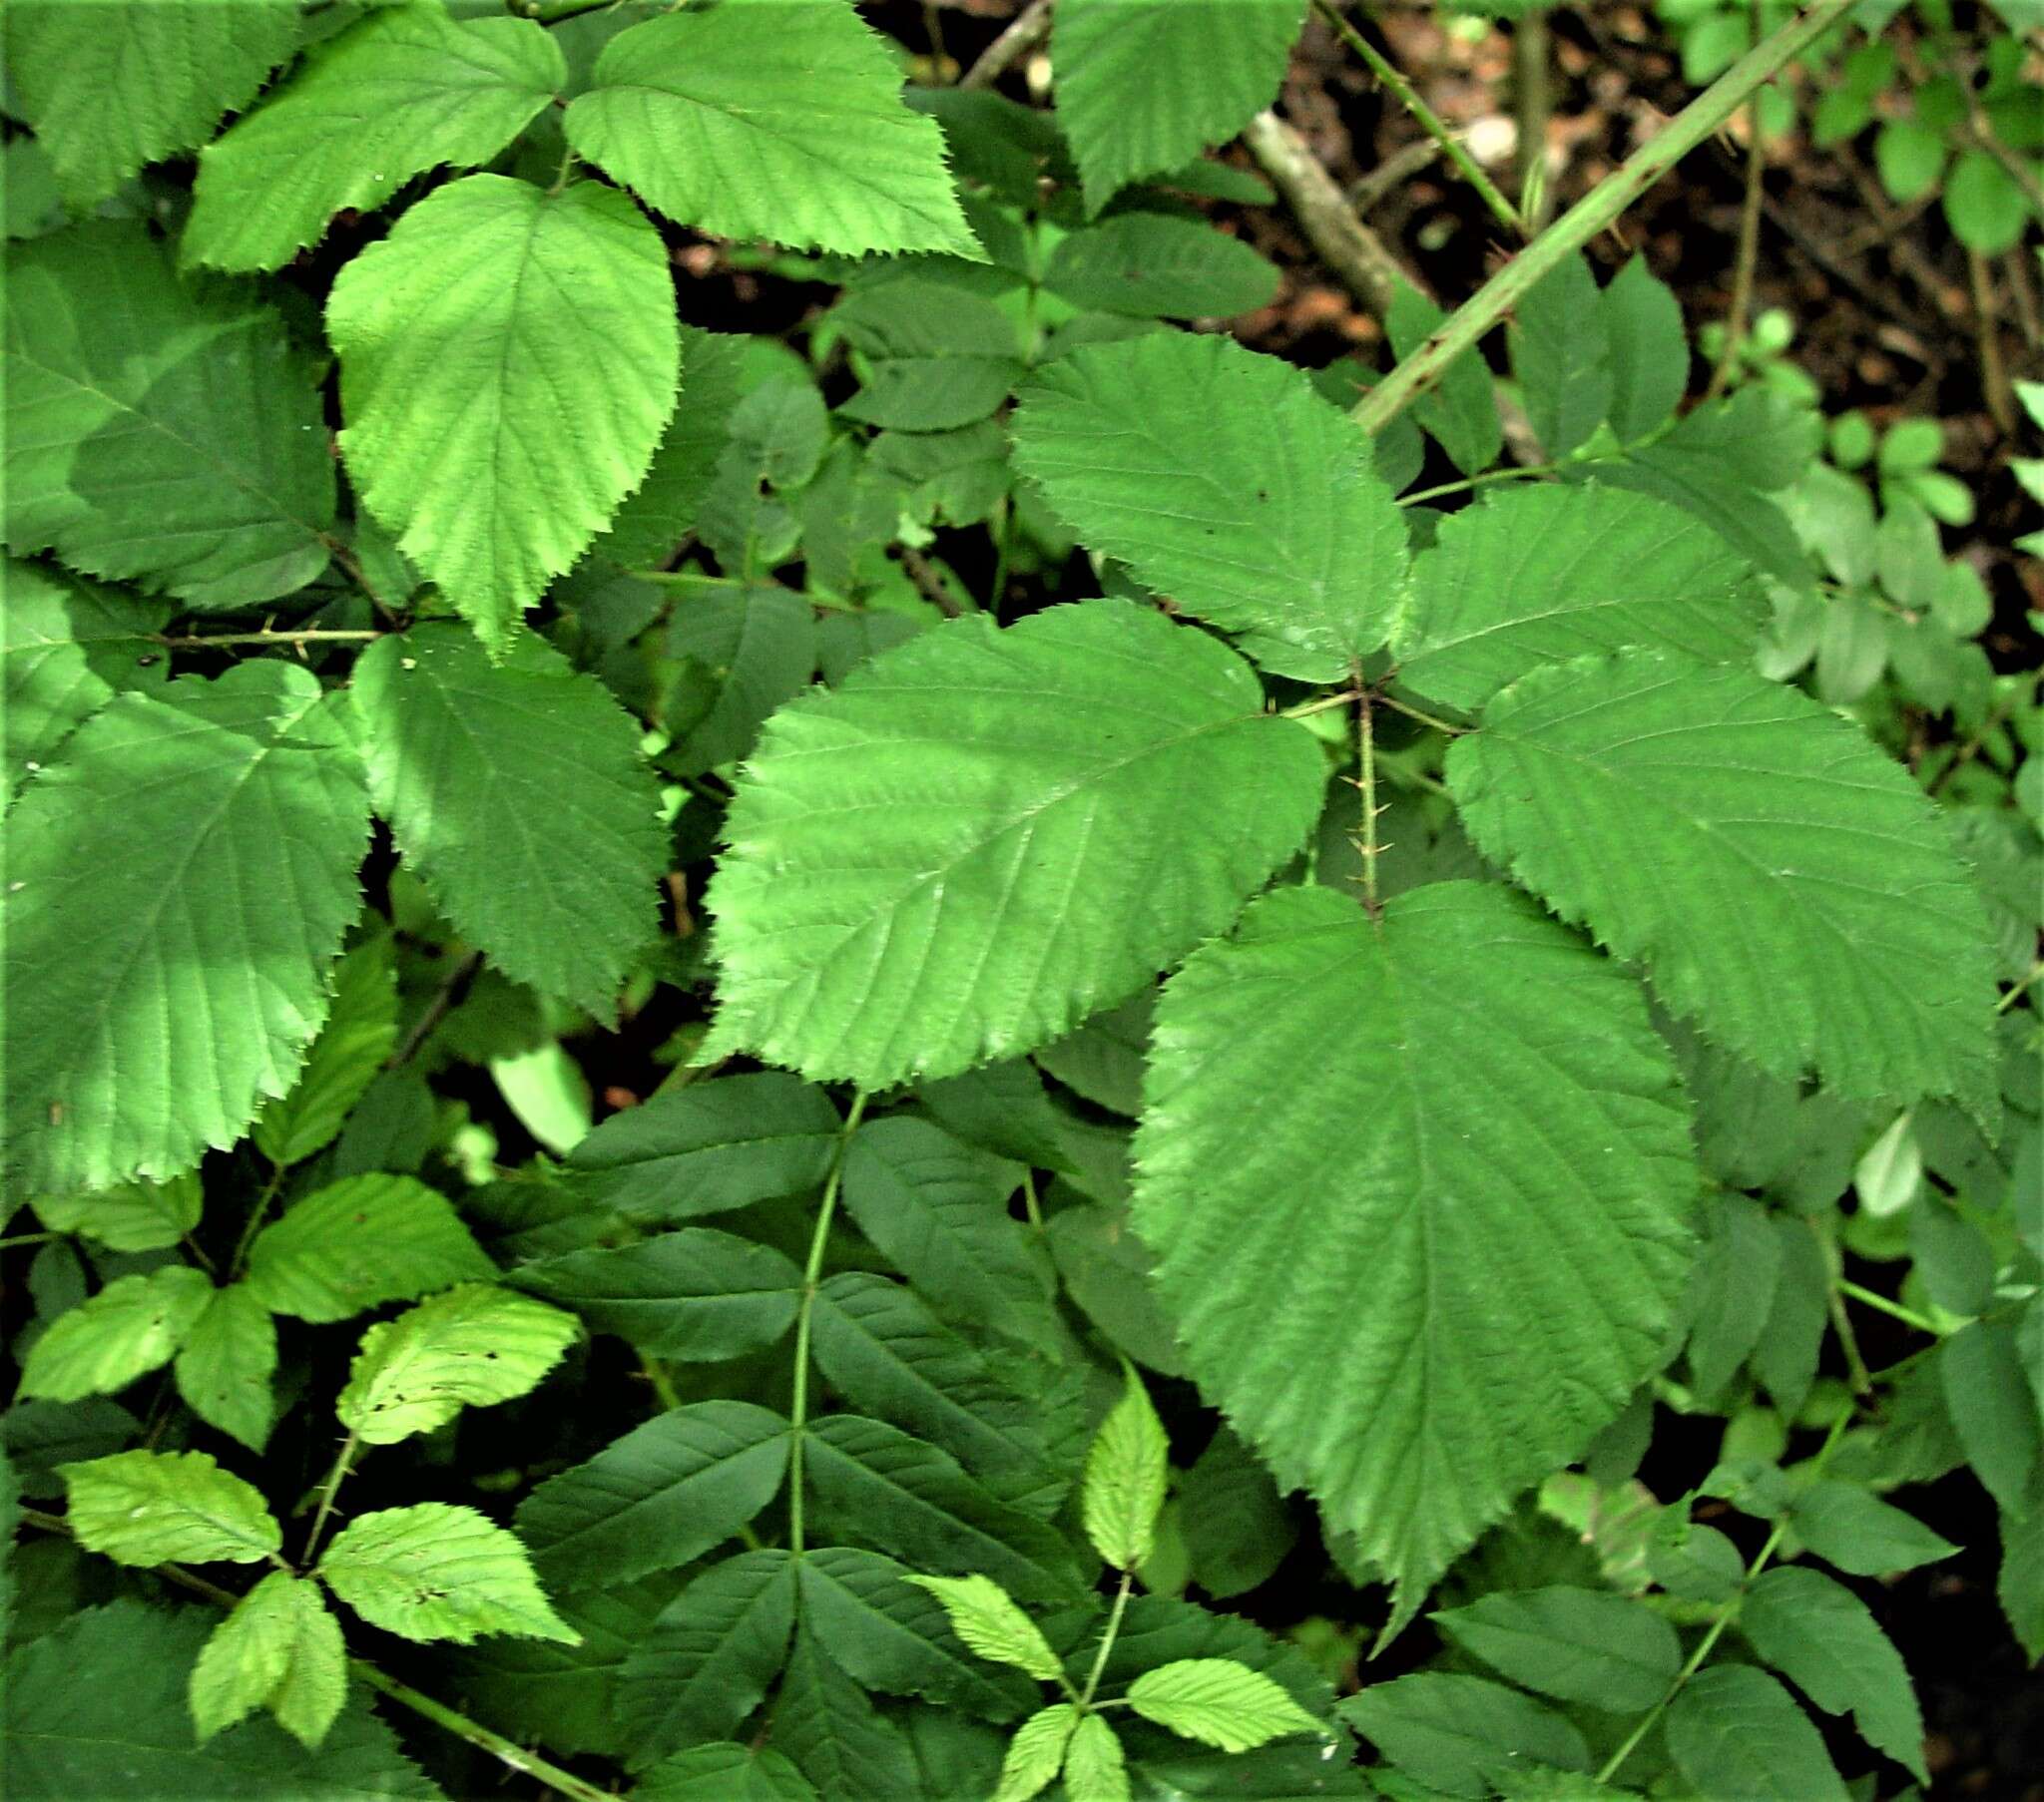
{"points": [[488, 773], [1461, 1735], [1534, 575], [132, 1740], [1516, 1093], [658, 1498], [779, 118], [358, 1243], [1823, 1638], [226, 1364], [1144, 85], [710, 1657], [1786, 885], [724, 1772], [109, 89], [1157, 266], [1237, 1527], [1733, 1292], [1985, 207], [160, 1508], [403, 91], [137, 1216], [166, 965], [435, 1571], [756, 646], [360, 1035], [280, 1647], [884, 913], [66, 648], [1649, 351], [465, 1348], [1218, 1702], [1561, 353], [1461, 415], [1037, 1752], [653, 521], [828, 1725], [2020, 1585], [1224, 481], [1735, 1731], [1127, 1472], [695, 1294], [508, 362], [135, 1324], [155, 431], [1096, 1767], [1993, 1408], [985, 1617], [936, 357], [1579, 1644]]}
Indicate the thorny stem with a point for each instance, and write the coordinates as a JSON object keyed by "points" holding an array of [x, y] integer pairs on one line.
{"points": [[1748, 247], [1430, 122], [213, 642], [1107, 1639], [327, 1491], [1532, 107], [1588, 215], [812, 1272], [1367, 837]]}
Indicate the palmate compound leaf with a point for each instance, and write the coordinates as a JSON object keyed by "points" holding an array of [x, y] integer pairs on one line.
{"points": [[1445, 1165], [166, 965], [400, 91], [983, 835], [508, 360], [1786, 884], [1540, 574], [775, 119], [160, 1508], [1146, 85], [360, 1242], [436, 1571], [517, 794], [1224, 482], [280, 1647]]}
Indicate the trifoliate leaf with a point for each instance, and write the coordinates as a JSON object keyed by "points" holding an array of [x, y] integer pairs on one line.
{"points": [[1351, 1134], [657, 1498], [167, 965], [435, 1571], [359, 1034], [1144, 85], [135, 1324], [884, 912], [358, 1243], [516, 792], [1786, 885], [1096, 1769], [226, 1364], [1823, 1638], [466, 1348], [777, 119], [280, 1647], [109, 89], [1037, 1752], [155, 431], [1226, 484], [1734, 1731], [405, 89], [1581, 1645], [508, 360], [1536, 575], [1218, 1702], [161, 1507], [138, 1216], [985, 1617], [1126, 1474]]}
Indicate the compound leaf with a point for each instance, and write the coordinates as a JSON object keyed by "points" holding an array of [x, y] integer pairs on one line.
{"points": [[160, 1508], [436, 1571], [358, 1243], [281, 1646], [885, 913], [1351, 1136], [134, 1325]]}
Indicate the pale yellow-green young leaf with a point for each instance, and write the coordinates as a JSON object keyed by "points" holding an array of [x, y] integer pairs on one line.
{"points": [[280, 1647], [466, 1348], [1096, 1769], [138, 1216], [986, 1618], [160, 1508], [1036, 1752], [435, 1571], [360, 1242], [226, 1364], [135, 1324], [1125, 1478], [1219, 1702], [359, 1034]]}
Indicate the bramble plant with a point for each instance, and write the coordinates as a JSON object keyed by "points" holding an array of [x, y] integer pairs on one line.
{"points": [[1224, 972]]}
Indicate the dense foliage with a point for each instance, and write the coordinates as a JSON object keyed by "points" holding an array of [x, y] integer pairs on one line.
{"points": [[1182, 987]]}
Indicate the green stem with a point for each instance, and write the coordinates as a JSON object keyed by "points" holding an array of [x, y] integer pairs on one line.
{"points": [[327, 1491], [1107, 1639], [257, 1217], [1869, 1298], [29, 1239], [559, 10], [213, 641], [1430, 122], [1367, 837], [1592, 213], [1411, 713], [2021, 989], [1030, 1205], [1513, 473], [812, 1272], [1325, 703], [1834, 1303], [1748, 255]]}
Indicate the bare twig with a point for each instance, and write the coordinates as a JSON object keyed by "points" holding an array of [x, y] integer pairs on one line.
{"points": [[1031, 27], [1401, 165], [1346, 245]]}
